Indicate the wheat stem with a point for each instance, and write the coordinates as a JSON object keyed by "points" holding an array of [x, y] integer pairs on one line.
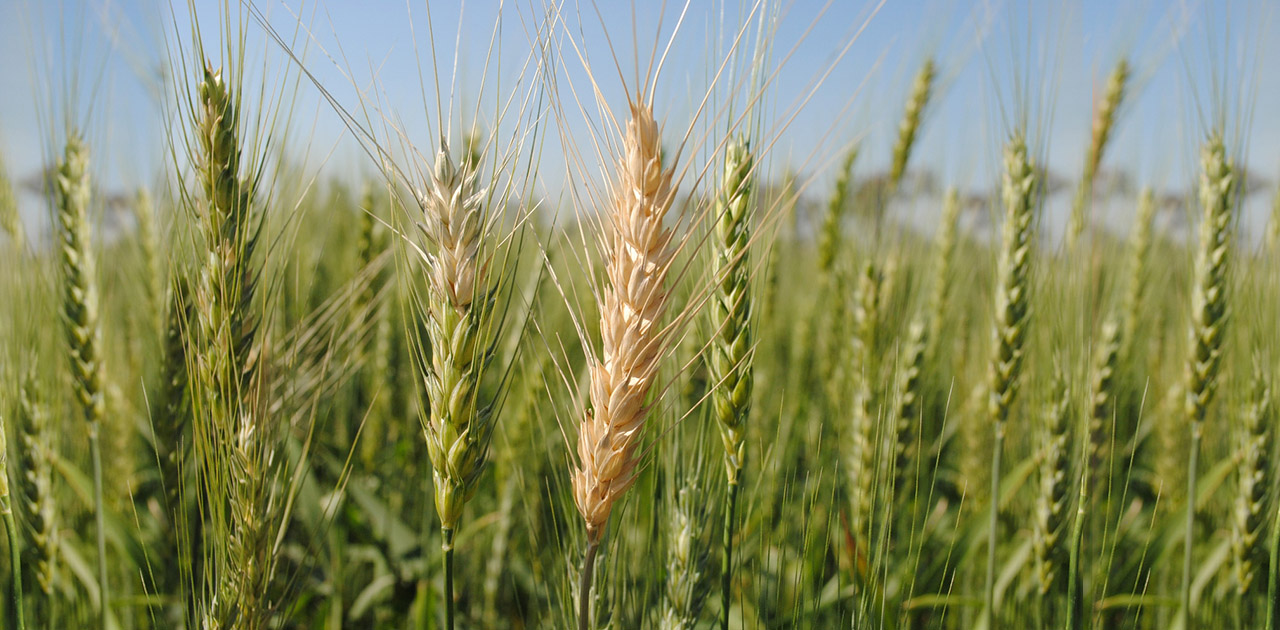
{"points": [[80, 316], [11, 532], [584, 586], [1208, 323], [1012, 311]]}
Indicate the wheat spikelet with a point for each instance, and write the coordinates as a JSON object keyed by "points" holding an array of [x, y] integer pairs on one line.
{"points": [[833, 221], [1139, 253], [909, 127], [1104, 118], [1009, 331], [1253, 502], [236, 443], [1101, 389], [1209, 294], [908, 408], [459, 428], [1012, 289], [632, 303], [863, 443], [944, 249], [10, 221], [1208, 323], [80, 294], [35, 484], [731, 306], [1053, 501], [686, 590], [148, 243]]}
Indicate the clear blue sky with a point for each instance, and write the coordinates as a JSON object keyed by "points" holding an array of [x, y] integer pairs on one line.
{"points": [[1059, 52]]}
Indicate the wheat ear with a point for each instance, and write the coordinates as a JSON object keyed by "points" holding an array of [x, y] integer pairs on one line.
{"points": [[235, 441], [1208, 323], [1104, 119], [909, 127], [732, 349], [35, 485], [80, 317], [1009, 332], [638, 256], [458, 314], [864, 441], [686, 590], [1054, 499], [832, 233], [1253, 504], [1139, 254], [10, 221]]}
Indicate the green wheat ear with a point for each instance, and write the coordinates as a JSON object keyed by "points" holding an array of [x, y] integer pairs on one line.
{"points": [[10, 221], [1054, 499], [1010, 329], [909, 127], [1254, 497], [1209, 315], [1104, 121], [731, 307], [732, 349]]}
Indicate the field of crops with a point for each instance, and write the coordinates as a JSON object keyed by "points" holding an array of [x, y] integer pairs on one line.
{"points": [[579, 357]]}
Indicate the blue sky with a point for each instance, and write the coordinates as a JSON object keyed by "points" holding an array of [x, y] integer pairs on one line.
{"points": [[995, 59]]}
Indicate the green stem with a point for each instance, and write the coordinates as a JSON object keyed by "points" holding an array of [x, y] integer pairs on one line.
{"points": [[1075, 583], [447, 547], [726, 569], [1273, 579], [1185, 612], [15, 563], [584, 587], [104, 592], [993, 518]]}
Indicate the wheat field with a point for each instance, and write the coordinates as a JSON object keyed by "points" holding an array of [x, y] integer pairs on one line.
{"points": [[694, 316]]}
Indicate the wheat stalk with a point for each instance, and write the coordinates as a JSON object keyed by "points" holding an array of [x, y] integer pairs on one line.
{"points": [[1104, 119], [1208, 322], [638, 256], [732, 349], [1009, 331], [458, 321], [80, 318], [11, 532], [909, 127], [236, 443]]}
